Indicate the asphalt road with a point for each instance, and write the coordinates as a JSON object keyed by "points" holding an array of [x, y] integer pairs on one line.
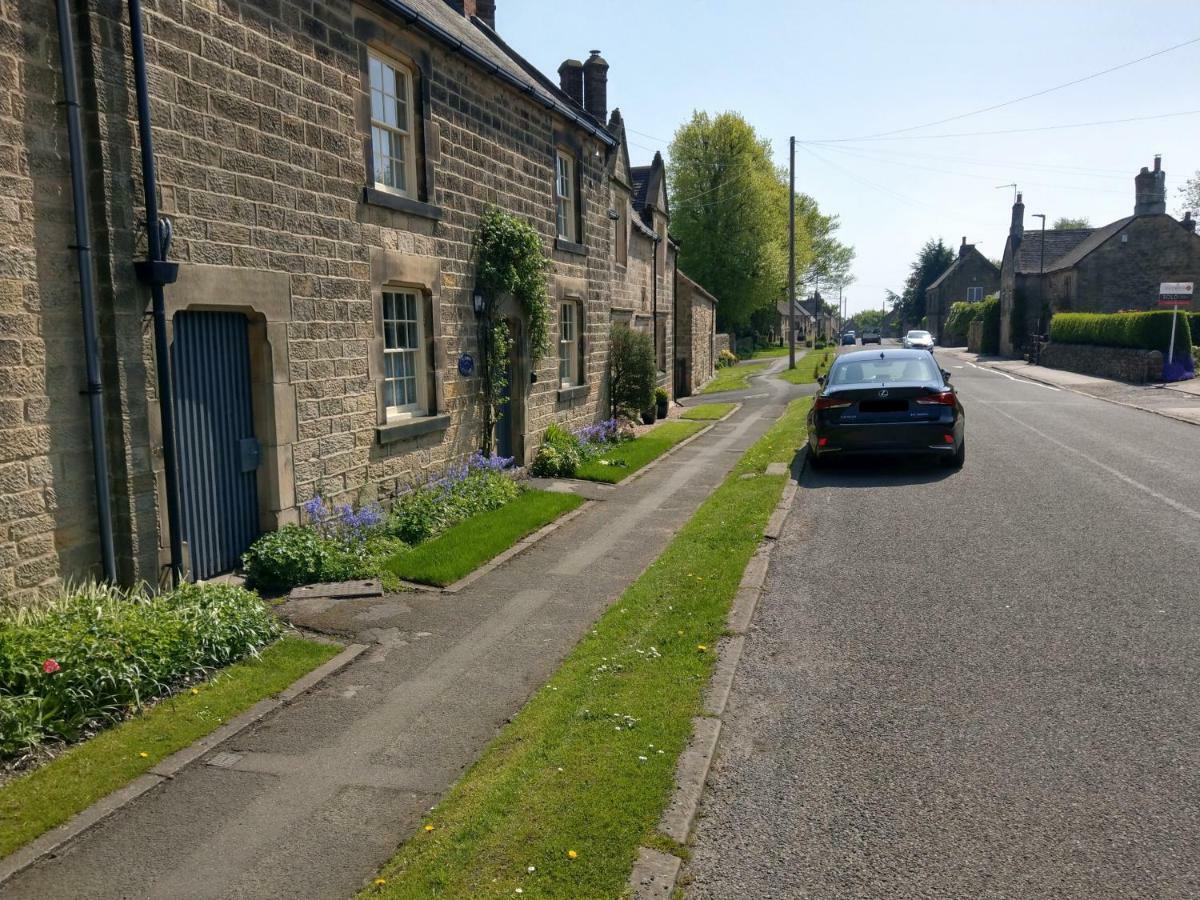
{"points": [[980, 683]]}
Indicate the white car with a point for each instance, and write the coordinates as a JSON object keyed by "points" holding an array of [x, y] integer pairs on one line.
{"points": [[918, 340]]}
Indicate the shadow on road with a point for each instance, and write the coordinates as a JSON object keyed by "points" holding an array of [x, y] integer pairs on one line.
{"points": [[872, 471]]}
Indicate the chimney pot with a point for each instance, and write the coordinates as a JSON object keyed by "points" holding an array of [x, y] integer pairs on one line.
{"points": [[570, 79], [1157, 162], [595, 84]]}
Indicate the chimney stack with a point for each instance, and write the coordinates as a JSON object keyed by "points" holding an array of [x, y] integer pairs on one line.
{"points": [[1017, 229], [1188, 223], [485, 10], [962, 249], [570, 79], [1150, 190], [595, 82]]}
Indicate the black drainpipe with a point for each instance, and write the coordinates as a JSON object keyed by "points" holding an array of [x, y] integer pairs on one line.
{"points": [[87, 297], [156, 272], [654, 288]]}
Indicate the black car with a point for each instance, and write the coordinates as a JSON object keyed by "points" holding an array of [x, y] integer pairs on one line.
{"points": [[871, 336], [885, 402], [848, 339]]}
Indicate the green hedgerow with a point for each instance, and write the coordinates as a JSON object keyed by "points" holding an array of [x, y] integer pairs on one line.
{"points": [[95, 653], [631, 385], [1138, 330]]}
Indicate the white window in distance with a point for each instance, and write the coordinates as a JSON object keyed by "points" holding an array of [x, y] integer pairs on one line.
{"points": [[403, 355], [391, 126], [564, 192], [568, 345]]}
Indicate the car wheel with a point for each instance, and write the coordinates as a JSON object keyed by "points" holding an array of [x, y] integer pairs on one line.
{"points": [[960, 456]]}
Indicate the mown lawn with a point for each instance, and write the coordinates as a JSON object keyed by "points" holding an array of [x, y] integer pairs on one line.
{"points": [[629, 456], [769, 353], [48, 796], [812, 364], [733, 378], [465, 547], [708, 412], [563, 797]]}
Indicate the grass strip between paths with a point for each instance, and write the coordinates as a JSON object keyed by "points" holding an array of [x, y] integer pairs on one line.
{"points": [[627, 457], [460, 550], [48, 796], [708, 412], [769, 353], [577, 781], [809, 366], [733, 378]]}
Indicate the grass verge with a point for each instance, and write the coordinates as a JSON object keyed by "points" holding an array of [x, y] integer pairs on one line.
{"points": [[769, 353], [462, 549], [627, 457], [47, 797], [579, 778], [708, 412], [809, 366], [733, 378]]}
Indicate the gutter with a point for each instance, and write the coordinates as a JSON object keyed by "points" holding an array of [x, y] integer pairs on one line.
{"points": [[415, 19], [87, 296]]}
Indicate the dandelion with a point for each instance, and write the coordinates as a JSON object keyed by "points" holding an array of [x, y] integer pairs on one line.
{"points": [[195, 691], [701, 647], [429, 828], [51, 666], [571, 854], [380, 881], [144, 755]]}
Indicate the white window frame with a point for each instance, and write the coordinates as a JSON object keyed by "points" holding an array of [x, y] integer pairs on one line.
{"points": [[564, 196], [974, 294], [568, 343], [401, 132], [410, 345]]}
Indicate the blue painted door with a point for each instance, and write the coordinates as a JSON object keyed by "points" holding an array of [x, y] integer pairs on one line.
{"points": [[218, 454]]}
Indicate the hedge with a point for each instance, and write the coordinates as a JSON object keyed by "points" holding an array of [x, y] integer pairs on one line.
{"points": [[989, 315], [1136, 330], [962, 314]]}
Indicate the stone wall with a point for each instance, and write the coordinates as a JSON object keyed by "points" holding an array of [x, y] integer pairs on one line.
{"points": [[722, 344], [696, 323], [258, 113], [1136, 366]]}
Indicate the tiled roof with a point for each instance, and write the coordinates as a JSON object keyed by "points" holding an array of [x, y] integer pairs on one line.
{"points": [[484, 47], [954, 265], [697, 289], [641, 183]]}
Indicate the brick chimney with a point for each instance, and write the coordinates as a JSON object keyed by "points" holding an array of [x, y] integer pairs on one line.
{"points": [[595, 85], [963, 247], [570, 79], [1150, 189], [1017, 229], [485, 10], [466, 8], [1188, 223]]}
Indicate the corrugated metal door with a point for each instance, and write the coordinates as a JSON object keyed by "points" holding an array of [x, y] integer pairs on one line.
{"points": [[218, 454]]}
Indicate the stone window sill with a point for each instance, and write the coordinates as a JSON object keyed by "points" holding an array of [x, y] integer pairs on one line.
{"points": [[578, 392], [411, 428], [388, 200], [570, 247]]}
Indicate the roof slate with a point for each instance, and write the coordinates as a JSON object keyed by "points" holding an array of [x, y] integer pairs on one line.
{"points": [[1058, 244], [954, 265]]}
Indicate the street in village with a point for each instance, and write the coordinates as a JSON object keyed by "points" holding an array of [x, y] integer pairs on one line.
{"points": [[974, 684]]}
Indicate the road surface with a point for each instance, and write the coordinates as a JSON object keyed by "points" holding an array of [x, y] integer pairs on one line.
{"points": [[982, 683]]}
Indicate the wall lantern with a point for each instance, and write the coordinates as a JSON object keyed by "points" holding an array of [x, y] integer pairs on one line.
{"points": [[478, 301]]}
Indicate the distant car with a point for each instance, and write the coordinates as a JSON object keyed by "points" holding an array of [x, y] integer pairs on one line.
{"points": [[848, 338], [886, 402], [918, 340], [871, 336]]}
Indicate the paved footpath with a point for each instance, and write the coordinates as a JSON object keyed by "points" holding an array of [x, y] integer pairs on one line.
{"points": [[974, 684], [314, 798]]}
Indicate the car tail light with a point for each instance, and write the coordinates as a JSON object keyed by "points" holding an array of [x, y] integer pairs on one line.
{"points": [[948, 438], [831, 403], [821, 442], [942, 398]]}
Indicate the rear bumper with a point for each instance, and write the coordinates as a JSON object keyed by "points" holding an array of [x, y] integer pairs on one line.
{"points": [[907, 438]]}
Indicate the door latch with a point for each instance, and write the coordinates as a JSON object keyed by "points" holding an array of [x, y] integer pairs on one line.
{"points": [[251, 453]]}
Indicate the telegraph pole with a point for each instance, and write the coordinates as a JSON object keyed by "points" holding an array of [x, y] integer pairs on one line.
{"points": [[792, 252]]}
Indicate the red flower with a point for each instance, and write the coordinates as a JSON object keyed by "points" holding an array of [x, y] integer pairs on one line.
{"points": [[50, 666]]}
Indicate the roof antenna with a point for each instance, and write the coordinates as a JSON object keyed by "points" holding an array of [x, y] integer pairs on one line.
{"points": [[1013, 186]]}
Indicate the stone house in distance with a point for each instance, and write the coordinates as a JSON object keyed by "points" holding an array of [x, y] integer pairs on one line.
{"points": [[324, 168], [1117, 267], [971, 277], [695, 336]]}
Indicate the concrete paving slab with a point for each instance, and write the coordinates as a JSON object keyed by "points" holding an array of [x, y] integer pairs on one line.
{"points": [[653, 875]]}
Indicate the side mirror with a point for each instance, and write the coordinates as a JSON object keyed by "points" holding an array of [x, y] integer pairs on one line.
{"points": [[821, 380], [945, 375]]}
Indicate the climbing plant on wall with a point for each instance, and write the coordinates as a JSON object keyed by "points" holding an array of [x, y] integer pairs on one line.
{"points": [[510, 261]]}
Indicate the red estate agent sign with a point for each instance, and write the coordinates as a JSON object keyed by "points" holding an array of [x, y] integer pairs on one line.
{"points": [[1175, 294]]}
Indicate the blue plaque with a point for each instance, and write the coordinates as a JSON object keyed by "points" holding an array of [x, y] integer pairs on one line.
{"points": [[466, 365]]}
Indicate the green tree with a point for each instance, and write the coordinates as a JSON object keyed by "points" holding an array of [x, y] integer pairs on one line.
{"points": [[828, 259], [729, 211], [1190, 194], [933, 259], [1063, 223]]}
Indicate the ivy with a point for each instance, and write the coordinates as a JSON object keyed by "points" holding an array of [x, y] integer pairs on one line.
{"points": [[510, 261]]}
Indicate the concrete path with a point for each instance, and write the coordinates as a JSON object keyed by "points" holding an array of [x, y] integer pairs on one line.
{"points": [[310, 802], [974, 684]]}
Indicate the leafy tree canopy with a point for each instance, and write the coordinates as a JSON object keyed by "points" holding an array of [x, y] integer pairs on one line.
{"points": [[933, 259], [1190, 194], [1065, 222]]}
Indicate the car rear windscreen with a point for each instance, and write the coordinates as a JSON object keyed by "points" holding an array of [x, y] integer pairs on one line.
{"points": [[890, 370]]}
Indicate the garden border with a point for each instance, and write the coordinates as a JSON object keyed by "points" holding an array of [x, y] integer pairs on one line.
{"points": [[656, 873], [166, 769]]}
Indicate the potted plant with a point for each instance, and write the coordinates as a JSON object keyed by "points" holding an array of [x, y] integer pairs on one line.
{"points": [[648, 415], [662, 402]]}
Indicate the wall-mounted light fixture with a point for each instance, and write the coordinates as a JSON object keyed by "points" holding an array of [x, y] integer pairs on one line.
{"points": [[477, 300]]}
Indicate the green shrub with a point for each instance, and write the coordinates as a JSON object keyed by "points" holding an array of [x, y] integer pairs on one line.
{"points": [[559, 456], [93, 654], [661, 396], [633, 371], [989, 317], [1137, 330], [295, 554], [725, 359], [465, 491], [961, 315]]}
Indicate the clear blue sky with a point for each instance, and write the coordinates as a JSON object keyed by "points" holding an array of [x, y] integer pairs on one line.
{"points": [[846, 69]]}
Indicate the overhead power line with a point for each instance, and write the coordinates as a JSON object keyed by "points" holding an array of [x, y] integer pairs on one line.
{"points": [[995, 106], [958, 134]]}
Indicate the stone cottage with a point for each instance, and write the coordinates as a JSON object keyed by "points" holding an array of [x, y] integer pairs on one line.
{"points": [[323, 168], [971, 277], [695, 336], [1117, 267]]}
